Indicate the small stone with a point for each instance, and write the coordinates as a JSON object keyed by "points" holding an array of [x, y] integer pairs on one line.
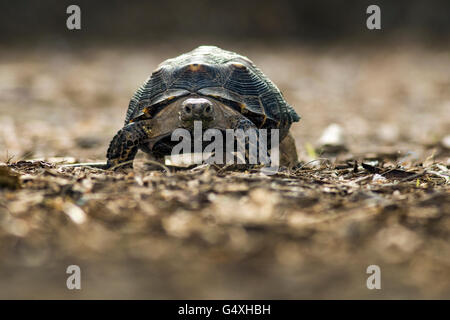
{"points": [[75, 213], [333, 135], [379, 179], [446, 142]]}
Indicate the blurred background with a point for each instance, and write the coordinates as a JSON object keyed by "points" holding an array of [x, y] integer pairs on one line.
{"points": [[64, 94], [144, 23], [319, 53]]}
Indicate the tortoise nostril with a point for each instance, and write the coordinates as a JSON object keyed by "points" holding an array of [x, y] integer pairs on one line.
{"points": [[197, 108], [187, 109]]}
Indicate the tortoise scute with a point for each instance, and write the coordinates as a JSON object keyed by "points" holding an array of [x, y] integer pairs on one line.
{"points": [[132, 107], [194, 78], [245, 82], [222, 75], [154, 85]]}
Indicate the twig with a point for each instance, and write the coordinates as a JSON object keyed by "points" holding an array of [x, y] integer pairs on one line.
{"points": [[417, 175], [440, 175], [318, 159], [159, 164], [99, 165]]}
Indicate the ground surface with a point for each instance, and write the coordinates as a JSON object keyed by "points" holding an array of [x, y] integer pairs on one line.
{"points": [[304, 233]]}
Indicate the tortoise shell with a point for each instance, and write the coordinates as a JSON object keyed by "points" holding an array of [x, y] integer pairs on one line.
{"points": [[222, 75]]}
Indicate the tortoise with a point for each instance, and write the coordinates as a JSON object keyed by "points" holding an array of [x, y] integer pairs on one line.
{"points": [[221, 88]]}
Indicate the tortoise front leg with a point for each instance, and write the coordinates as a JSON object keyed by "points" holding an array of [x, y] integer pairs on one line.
{"points": [[257, 151], [250, 157], [125, 144], [288, 152]]}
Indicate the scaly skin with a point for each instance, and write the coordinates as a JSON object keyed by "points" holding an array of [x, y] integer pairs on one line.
{"points": [[125, 144]]}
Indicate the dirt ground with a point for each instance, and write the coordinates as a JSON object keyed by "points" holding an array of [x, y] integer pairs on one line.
{"points": [[379, 197]]}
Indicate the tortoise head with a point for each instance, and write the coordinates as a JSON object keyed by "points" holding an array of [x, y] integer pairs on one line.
{"points": [[197, 109], [212, 113], [183, 112]]}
